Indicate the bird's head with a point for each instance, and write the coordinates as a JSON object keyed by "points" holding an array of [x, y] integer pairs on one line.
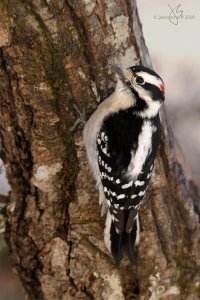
{"points": [[146, 86]]}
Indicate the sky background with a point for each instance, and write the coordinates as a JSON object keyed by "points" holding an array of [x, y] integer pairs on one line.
{"points": [[175, 53]]}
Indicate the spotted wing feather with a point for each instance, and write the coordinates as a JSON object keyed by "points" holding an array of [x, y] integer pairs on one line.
{"points": [[121, 194]]}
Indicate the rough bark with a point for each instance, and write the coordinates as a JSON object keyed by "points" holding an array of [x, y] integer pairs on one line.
{"points": [[53, 60]]}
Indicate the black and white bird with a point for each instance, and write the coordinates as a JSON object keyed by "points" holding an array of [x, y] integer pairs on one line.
{"points": [[122, 138]]}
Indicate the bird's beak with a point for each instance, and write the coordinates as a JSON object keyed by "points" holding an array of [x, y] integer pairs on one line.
{"points": [[125, 74], [117, 71]]}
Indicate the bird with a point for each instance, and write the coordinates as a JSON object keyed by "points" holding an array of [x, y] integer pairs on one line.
{"points": [[122, 138]]}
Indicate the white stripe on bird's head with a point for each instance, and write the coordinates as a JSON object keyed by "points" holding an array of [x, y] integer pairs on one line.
{"points": [[148, 78], [143, 85]]}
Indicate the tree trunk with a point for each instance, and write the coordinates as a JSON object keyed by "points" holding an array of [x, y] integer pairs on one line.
{"points": [[53, 65]]}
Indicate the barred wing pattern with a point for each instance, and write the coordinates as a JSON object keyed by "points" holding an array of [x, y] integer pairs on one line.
{"points": [[122, 195]]}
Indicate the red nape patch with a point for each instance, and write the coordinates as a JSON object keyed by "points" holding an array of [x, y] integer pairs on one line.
{"points": [[162, 87]]}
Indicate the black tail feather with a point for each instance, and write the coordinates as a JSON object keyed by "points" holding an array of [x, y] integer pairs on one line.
{"points": [[130, 243], [123, 242], [117, 244]]}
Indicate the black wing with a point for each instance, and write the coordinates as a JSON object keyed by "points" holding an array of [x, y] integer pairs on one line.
{"points": [[121, 194], [124, 196]]}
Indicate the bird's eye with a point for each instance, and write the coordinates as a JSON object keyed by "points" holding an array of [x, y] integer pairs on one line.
{"points": [[139, 80]]}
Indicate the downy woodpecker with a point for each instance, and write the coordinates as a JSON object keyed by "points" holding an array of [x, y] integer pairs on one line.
{"points": [[122, 138]]}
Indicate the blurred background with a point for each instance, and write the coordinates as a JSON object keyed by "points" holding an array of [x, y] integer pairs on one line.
{"points": [[174, 48], [175, 52]]}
